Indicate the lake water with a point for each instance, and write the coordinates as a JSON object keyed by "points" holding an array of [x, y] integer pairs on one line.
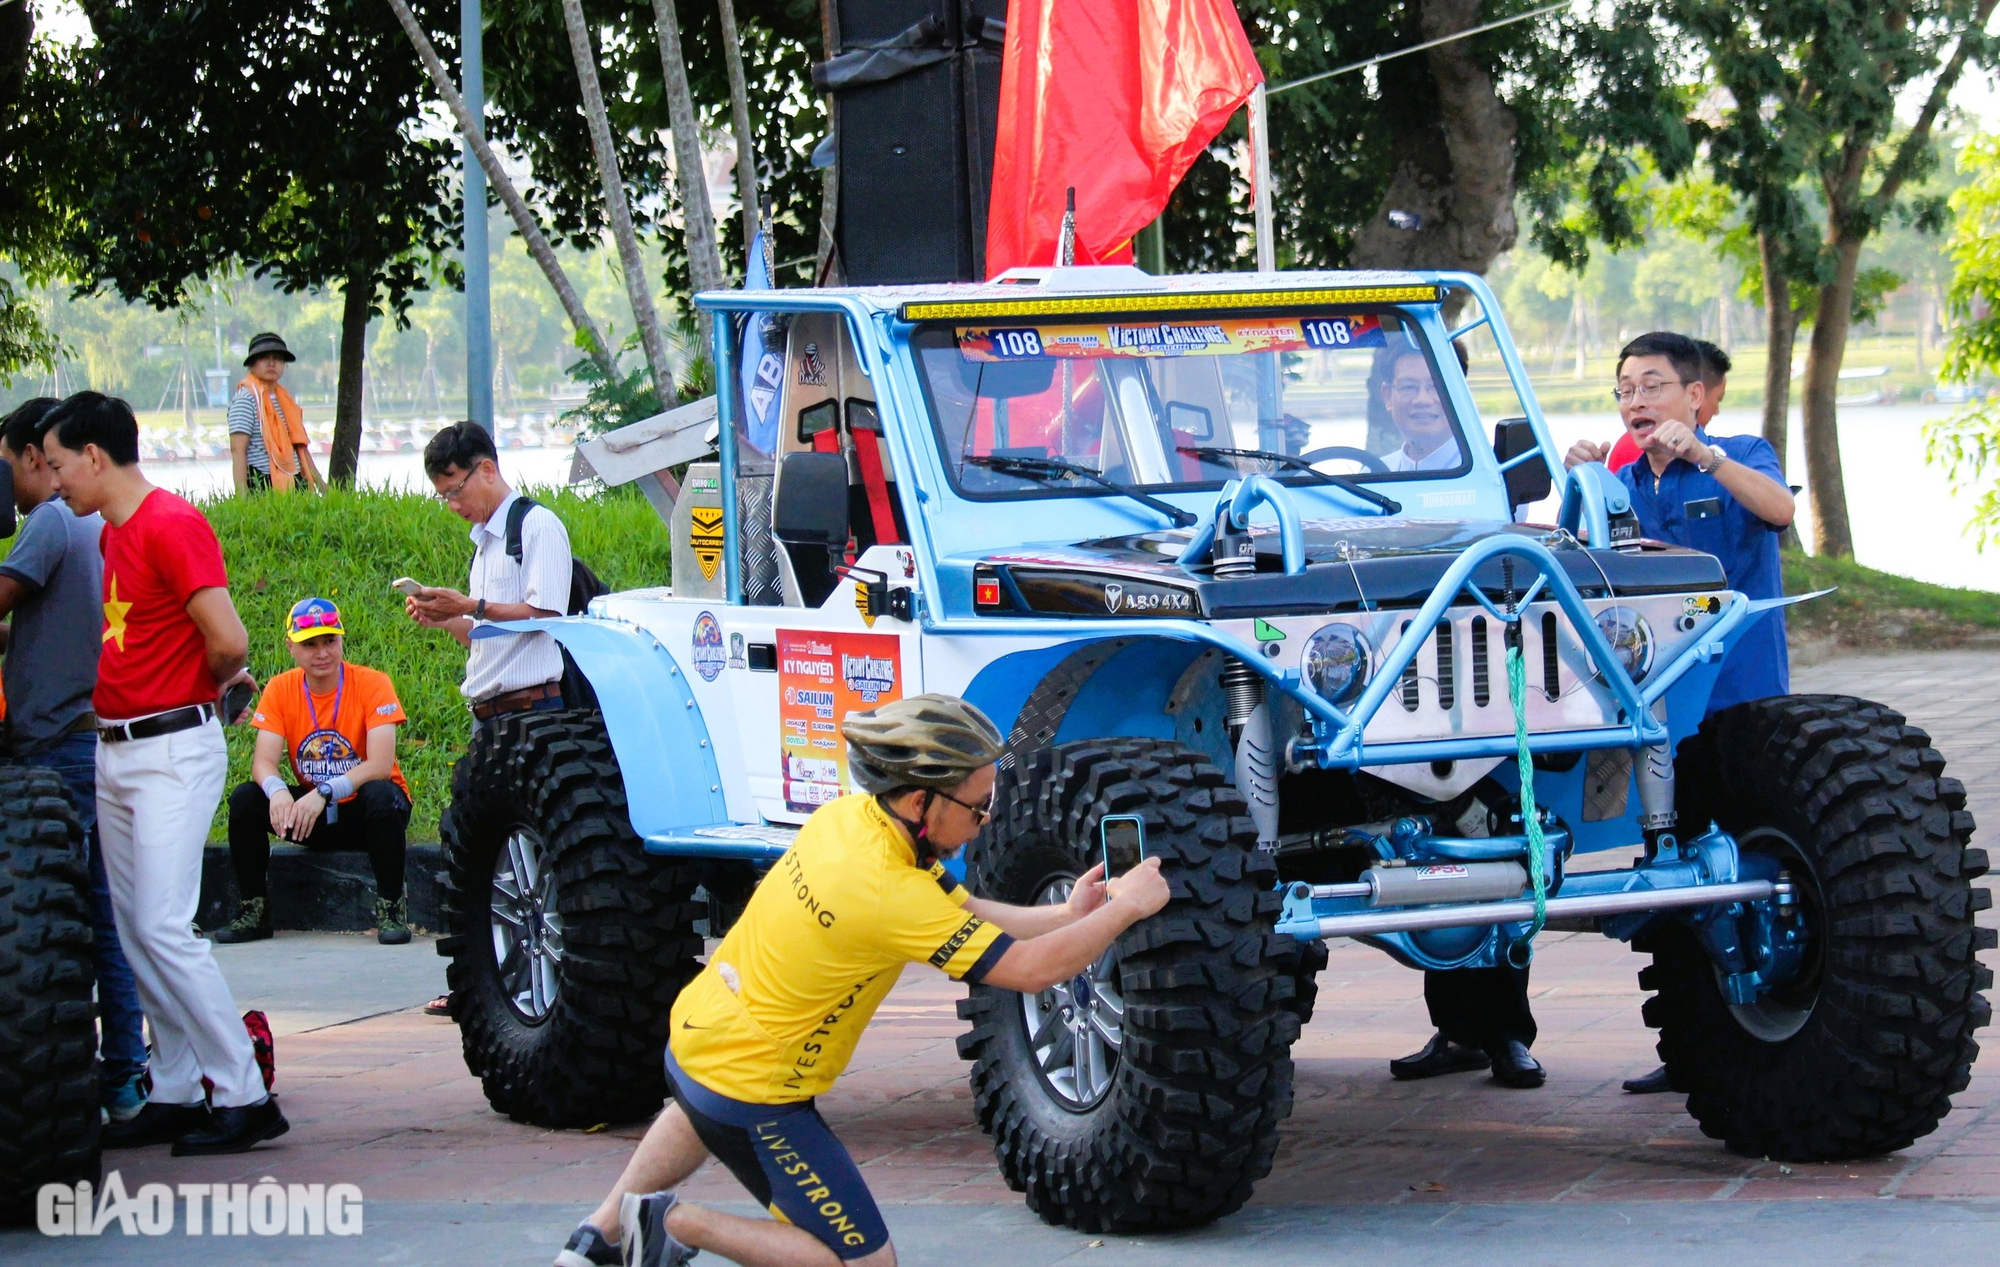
{"points": [[1905, 516]]}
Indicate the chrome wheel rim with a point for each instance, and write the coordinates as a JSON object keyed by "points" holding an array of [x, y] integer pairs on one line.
{"points": [[527, 931], [1076, 1028]]}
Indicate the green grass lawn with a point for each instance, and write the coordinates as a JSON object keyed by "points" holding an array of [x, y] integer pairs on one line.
{"points": [[348, 547], [1871, 609]]}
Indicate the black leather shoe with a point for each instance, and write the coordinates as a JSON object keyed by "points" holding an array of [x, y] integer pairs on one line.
{"points": [[1440, 1055], [236, 1130], [157, 1123], [1650, 1084], [1514, 1067]]}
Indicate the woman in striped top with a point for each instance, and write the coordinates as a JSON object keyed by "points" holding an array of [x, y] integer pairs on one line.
{"points": [[263, 416]]}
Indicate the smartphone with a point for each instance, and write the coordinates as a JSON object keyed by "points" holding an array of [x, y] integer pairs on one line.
{"points": [[407, 587], [1124, 839], [238, 697]]}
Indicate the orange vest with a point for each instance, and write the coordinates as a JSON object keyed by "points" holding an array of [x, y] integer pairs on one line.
{"points": [[284, 428]]}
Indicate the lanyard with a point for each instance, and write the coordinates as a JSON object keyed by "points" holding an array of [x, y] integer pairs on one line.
{"points": [[340, 687]]}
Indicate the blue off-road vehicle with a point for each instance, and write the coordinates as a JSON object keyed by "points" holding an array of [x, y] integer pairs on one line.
{"points": [[1241, 556]]}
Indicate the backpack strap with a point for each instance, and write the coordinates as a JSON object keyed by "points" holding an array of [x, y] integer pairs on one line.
{"points": [[515, 514]]}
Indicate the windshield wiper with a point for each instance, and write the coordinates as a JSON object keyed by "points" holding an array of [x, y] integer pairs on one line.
{"points": [[1042, 470], [1389, 505]]}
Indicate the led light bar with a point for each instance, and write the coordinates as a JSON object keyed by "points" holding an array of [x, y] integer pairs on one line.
{"points": [[1178, 301]]}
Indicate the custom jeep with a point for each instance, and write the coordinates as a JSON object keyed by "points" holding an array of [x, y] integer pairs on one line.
{"points": [[1243, 556]]}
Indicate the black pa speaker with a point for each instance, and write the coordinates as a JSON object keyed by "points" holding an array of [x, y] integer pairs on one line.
{"points": [[916, 101]]}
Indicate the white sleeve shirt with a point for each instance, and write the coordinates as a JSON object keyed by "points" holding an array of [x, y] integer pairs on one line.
{"points": [[541, 579]]}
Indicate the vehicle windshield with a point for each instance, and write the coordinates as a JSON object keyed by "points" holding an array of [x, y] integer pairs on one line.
{"points": [[1160, 404]]}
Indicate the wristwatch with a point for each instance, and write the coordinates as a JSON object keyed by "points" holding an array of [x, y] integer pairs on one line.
{"points": [[1716, 457], [325, 791], [479, 610]]}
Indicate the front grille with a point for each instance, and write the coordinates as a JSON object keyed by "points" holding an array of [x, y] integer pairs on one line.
{"points": [[1437, 660], [1482, 691]]}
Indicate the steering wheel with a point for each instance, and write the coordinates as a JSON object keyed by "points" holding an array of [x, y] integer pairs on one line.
{"points": [[1369, 462]]}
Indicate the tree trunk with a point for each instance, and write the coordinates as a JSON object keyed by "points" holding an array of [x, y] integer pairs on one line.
{"points": [[619, 212], [1455, 137], [587, 333], [739, 123], [1832, 537], [1781, 328], [356, 301], [697, 219]]}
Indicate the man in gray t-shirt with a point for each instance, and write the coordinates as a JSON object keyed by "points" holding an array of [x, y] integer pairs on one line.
{"points": [[51, 585]]}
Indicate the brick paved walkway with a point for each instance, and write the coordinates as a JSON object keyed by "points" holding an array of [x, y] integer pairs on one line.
{"points": [[386, 1102]]}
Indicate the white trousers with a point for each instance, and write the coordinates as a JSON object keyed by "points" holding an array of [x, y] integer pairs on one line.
{"points": [[155, 800]]}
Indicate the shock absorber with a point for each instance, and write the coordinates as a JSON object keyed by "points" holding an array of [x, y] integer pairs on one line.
{"points": [[1249, 723]]}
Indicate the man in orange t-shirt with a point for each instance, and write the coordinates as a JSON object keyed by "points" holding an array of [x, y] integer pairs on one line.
{"points": [[333, 726]]}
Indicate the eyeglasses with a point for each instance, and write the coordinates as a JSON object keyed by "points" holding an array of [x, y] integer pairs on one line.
{"points": [[311, 620], [980, 813], [1410, 391], [457, 490], [1648, 392]]}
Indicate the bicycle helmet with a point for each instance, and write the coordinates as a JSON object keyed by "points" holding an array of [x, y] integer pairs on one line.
{"points": [[925, 741]]}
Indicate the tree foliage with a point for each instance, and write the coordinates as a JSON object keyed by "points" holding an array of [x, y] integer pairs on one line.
{"points": [[1967, 444], [536, 110], [1581, 96], [283, 137]]}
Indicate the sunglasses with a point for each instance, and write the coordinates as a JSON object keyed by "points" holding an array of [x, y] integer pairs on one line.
{"points": [[980, 813], [313, 620]]}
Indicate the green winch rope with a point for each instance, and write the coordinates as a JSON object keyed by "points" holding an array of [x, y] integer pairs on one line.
{"points": [[1517, 690]]}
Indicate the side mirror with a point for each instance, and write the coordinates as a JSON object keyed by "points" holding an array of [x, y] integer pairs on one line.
{"points": [[811, 507], [1192, 421], [6, 498], [1530, 481]]}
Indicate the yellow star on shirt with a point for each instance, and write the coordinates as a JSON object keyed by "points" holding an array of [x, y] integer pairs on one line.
{"points": [[114, 615]]}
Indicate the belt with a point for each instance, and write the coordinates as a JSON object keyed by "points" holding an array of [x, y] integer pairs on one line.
{"points": [[158, 724], [515, 701]]}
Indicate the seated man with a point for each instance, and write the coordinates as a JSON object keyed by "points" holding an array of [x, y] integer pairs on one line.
{"points": [[1415, 403], [334, 723]]}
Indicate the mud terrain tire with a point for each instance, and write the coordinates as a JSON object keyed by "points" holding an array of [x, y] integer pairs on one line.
{"points": [[48, 1032], [1884, 1012], [582, 1046], [1190, 1119]]}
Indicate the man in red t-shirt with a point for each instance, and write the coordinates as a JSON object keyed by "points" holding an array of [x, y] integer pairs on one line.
{"points": [[171, 640]]}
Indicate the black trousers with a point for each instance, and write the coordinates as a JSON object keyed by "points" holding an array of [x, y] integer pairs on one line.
{"points": [[375, 821], [1481, 1007]]}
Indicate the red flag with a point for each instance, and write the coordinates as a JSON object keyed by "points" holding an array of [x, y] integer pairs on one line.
{"points": [[1115, 98]]}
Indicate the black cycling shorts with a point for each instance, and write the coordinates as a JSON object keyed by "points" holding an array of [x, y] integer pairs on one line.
{"points": [[790, 1160]]}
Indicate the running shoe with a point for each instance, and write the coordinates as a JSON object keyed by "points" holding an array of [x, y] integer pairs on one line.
{"points": [[642, 1223], [123, 1101], [588, 1248]]}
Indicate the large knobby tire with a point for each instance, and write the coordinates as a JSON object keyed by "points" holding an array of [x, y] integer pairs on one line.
{"points": [[1861, 1055], [564, 1028], [48, 1035], [1188, 1120]]}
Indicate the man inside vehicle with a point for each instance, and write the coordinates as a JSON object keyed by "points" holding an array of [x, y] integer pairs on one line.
{"points": [[775, 1016]]}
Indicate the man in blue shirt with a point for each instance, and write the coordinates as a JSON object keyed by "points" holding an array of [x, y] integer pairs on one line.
{"points": [[1722, 495]]}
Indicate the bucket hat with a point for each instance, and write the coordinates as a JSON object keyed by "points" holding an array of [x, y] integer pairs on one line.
{"points": [[268, 344]]}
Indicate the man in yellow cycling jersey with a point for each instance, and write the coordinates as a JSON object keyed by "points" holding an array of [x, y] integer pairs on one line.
{"points": [[774, 1018]]}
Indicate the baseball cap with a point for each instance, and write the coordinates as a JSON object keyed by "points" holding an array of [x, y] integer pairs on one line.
{"points": [[313, 618]]}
